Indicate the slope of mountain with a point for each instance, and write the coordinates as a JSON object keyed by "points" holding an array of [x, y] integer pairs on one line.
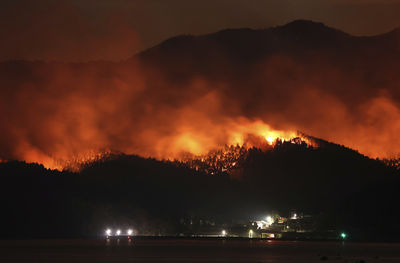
{"points": [[155, 196]]}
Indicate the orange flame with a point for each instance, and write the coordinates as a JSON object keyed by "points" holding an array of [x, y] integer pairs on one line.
{"points": [[241, 132]]}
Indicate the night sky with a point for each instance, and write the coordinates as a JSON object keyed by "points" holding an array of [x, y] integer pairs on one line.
{"points": [[80, 30]]}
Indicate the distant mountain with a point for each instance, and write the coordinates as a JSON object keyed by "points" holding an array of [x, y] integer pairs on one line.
{"points": [[276, 62], [299, 38], [246, 43]]}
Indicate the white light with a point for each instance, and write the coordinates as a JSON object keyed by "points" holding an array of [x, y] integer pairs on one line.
{"points": [[118, 232], [129, 232], [108, 232], [223, 233]]}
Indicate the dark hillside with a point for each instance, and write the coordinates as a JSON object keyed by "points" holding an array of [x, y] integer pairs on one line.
{"points": [[157, 197]]}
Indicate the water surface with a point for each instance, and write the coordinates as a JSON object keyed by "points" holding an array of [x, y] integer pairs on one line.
{"points": [[195, 250]]}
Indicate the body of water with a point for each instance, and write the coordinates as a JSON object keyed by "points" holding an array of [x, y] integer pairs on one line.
{"points": [[195, 250]]}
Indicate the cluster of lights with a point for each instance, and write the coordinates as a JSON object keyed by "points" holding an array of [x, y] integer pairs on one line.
{"points": [[262, 224], [118, 232]]}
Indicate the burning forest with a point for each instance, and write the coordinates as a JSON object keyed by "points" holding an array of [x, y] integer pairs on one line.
{"points": [[230, 159], [322, 84]]}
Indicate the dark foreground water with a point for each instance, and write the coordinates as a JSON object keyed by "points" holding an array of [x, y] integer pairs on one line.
{"points": [[181, 250]]}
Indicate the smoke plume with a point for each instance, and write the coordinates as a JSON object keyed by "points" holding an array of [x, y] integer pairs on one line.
{"points": [[59, 113]]}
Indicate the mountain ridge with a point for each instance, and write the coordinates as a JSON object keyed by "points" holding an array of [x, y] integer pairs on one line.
{"points": [[295, 30]]}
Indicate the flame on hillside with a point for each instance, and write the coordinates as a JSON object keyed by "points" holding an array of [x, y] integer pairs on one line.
{"points": [[201, 149], [63, 115], [230, 159], [214, 136]]}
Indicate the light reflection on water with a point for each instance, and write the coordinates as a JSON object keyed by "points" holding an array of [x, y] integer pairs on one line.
{"points": [[194, 250], [109, 242]]}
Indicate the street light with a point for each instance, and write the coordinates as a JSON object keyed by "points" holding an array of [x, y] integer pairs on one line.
{"points": [[108, 232], [343, 235], [223, 233]]}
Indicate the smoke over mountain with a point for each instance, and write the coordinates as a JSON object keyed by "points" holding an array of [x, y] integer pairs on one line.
{"points": [[195, 94]]}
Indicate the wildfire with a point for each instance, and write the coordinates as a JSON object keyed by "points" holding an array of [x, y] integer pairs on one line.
{"points": [[63, 115], [244, 129], [71, 163], [215, 148], [231, 158], [207, 145], [241, 132], [242, 136]]}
